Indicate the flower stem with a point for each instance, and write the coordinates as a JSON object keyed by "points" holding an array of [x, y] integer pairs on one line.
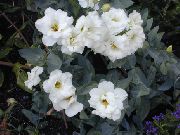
{"points": [[9, 64], [64, 118]]}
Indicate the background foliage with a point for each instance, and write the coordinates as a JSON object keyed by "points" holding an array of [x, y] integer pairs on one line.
{"points": [[151, 76]]}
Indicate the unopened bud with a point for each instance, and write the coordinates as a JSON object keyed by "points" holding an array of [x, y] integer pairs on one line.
{"points": [[11, 101], [169, 49], [106, 7]]}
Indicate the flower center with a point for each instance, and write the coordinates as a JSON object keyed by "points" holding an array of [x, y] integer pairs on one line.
{"points": [[115, 20], [72, 39], [69, 98], [113, 46], [55, 27], [105, 103], [58, 85]]}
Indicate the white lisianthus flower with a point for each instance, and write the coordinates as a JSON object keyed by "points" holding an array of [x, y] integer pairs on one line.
{"points": [[135, 18], [59, 85], [107, 100], [70, 104], [92, 29], [62, 92], [72, 43], [33, 77], [89, 4], [136, 37], [116, 20], [54, 25], [116, 47]]}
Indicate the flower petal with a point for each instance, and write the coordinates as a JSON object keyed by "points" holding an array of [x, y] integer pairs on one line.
{"points": [[74, 109]]}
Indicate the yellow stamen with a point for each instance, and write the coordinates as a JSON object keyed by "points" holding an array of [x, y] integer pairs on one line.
{"points": [[55, 27], [69, 98], [72, 39], [113, 46], [58, 85], [105, 103], [115, 20]]}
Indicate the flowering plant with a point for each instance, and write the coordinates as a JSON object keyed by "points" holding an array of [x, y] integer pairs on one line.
{"points": [[102, 65]]}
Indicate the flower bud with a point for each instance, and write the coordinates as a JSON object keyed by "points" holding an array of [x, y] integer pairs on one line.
{"points": [[169, 49], [106, 7], [11, 101], [95, 1]]}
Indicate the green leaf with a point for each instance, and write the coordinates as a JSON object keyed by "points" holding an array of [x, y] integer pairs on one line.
{"points": [[166, 85], [4, 52], [149, 24], [163, 68], [53, 62], [151, 74], [124, 83], [1, 78], [144, 14], [40, 102], [94, 132], [122, 3], [34, 56], [21, 77], [89, 71], [34, 118], [83, 90], [140, 90], [106, 129], [113, 76], [83, 115], [143, 109], [0, 36]]}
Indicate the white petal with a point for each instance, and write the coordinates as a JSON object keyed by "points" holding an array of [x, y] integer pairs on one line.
{"points": [[50, 11], [48, 40], [74, 109], [43, 24]]}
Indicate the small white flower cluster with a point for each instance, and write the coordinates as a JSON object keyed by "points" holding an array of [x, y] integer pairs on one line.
{"points": [[60, 89], [62, 92], [113, 34], [107, 101]]}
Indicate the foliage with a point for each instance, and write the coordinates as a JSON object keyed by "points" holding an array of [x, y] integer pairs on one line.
{"points": [[147, 76]]}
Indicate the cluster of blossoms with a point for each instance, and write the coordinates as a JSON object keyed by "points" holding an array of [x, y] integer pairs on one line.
{"points": [[113, 34], [106, 100], [159, 117], [176, 114], [150, 128]]}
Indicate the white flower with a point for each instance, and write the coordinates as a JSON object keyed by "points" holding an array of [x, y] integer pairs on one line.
{"points": [[72, 43], [116, 20], [92, 29], [59, 85], [116, 47], [33, 77], [70, 104], [136, 37], [89, 4], [107, 101], [62, 92], [135, 18], [54, 25]]}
